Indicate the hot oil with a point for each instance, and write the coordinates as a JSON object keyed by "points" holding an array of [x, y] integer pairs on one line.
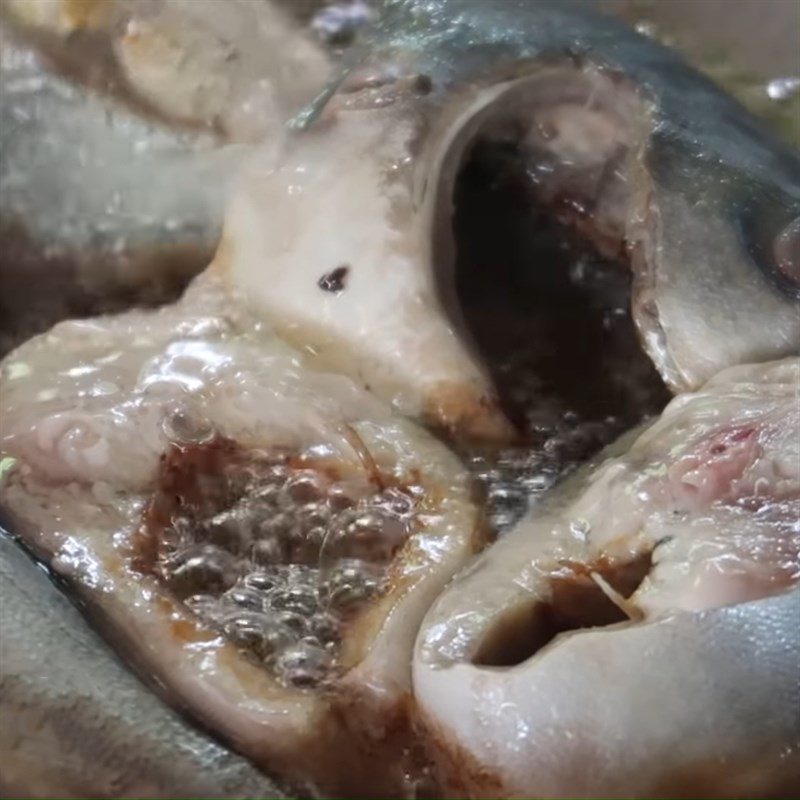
{"points": [[551, 319], [276, 554]]}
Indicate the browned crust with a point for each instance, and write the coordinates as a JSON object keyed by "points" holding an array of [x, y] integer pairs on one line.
{"points": [[462, 413]]}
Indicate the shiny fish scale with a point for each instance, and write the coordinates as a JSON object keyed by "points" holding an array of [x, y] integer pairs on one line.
{"points": [[92, 728]]}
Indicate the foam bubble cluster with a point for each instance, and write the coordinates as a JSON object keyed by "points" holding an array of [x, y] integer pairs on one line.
{"points": [[274, 553]]}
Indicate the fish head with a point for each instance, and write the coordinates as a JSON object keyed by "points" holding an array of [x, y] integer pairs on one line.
{"points": [[643, 155], [638, 635], [614, 136], [663, 709]]}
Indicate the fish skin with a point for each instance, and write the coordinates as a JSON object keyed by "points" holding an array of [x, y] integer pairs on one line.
{"points": [[711, 193], [77, 723]]}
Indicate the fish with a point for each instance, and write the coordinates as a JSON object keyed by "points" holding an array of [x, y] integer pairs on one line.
{"points": [[346, 246], [261, 538], [189, 471], [92, 111], [637, 636], [77, 723]]}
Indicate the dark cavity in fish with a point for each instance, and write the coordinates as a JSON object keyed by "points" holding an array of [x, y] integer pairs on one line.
{"points": [[551, 317]]}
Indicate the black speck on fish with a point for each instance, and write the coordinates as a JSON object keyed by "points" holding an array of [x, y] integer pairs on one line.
{"points": [[334, 281]]}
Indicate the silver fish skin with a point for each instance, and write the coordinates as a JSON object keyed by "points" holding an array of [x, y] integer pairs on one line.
{"points": [[616, 136], [77, 723]]}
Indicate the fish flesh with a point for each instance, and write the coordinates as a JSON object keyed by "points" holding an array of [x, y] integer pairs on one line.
{"points": [[638, 635], [261, 537], [77, 723], [109, 199], [346, 246]]}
